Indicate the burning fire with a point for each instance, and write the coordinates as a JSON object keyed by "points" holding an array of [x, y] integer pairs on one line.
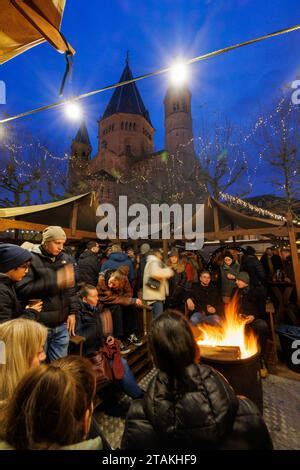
{"points": [[230, 333]]}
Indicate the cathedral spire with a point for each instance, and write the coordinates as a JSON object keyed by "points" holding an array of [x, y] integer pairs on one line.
{"points": [[126, 98]]}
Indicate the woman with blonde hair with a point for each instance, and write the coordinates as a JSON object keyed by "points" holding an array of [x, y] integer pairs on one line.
{"points": [[52, 408], [24, 342]]}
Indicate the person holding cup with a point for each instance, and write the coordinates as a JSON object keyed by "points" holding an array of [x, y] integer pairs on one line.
{"points": [[50, 280], [14, 265]]}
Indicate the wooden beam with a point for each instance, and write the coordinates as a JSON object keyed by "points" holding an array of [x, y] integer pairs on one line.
{"points": [[294, 253], [8, 224], [224, 235]]}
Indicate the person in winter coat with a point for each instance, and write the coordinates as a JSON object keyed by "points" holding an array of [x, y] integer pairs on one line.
{"points": [[248, 301], [115, 293], [89, 325], [228, 271], [204, 301], [189, 405], [155, 293], [251, 264], [178, 282], [52, 408], [271, 262], [89, 264], [14, 265], [51, 279], [258, 280], [116, 259]]}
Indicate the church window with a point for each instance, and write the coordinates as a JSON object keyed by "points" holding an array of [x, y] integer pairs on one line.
{"points": [[134, 126], [130, 126], [128, 150], [122, 125], [184, 107], [126, 126]]}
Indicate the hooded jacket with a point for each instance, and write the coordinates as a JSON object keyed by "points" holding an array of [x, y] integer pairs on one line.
{"points": [[40, 282], [115, 260], [200, 411]]}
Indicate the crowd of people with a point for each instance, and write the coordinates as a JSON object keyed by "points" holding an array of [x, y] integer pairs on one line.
{"points": [[49, 293]]}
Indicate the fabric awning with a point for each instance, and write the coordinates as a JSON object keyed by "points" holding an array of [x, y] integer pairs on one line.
{"points": [[58, 212], [27, 23]]}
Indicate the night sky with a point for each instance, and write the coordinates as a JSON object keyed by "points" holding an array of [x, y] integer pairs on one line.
{"points": [[242, 85]]}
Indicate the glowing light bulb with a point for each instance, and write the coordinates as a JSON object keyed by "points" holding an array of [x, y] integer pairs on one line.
{"points": [[73, 111], [179, 74]]}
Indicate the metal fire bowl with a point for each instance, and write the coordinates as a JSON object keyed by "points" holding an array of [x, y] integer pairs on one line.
{"points": [[242, 374]]}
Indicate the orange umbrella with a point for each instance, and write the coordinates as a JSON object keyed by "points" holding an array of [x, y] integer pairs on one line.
{"points": [[27, 23]]}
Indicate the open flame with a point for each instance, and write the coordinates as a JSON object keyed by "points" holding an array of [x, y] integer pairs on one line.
{"points": [[231, 332]]}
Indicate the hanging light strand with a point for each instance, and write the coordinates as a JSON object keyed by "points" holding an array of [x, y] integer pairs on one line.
{"points": [[152, 74]]}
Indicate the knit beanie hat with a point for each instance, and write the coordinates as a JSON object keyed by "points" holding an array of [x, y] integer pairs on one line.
{"points": [[54, 232], [174, 252], [145, 248], [12, 256], [243, 276], [227, 254]]}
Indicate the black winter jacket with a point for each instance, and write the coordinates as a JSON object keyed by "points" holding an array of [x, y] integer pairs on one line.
{"points": [[255, 269], [10, 307], [201, 411], [202, 296], [89, 325], [89, 267], [40, 283], [249, 301]]}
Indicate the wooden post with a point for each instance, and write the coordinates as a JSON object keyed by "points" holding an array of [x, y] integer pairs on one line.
{"points": [[165, 248], [216, 219], [74, 215], [294, 253]]}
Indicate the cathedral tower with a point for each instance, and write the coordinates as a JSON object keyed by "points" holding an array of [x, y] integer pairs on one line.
{"points": [[178, 120], [125, 129], [80, 157]]}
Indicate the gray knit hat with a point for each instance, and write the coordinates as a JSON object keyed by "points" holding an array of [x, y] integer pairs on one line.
{"points": [[243, 276], [54, 232], [145, 248]]}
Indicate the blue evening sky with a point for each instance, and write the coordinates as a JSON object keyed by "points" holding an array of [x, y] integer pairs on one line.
{"points": [[241, 84]]}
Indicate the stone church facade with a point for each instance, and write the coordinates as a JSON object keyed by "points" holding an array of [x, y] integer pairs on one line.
{"points": [[126, 162]]}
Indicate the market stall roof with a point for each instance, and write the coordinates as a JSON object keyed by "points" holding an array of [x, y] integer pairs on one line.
{"points": [[228, 217], [217, 216], [27, 23], [77, 214]]}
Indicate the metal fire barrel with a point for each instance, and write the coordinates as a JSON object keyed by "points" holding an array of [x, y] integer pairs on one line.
{"points": [[242, 374]]}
